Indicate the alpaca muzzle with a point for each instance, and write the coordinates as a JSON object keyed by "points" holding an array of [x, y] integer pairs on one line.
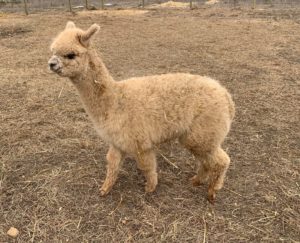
{"points": [[54, 64]]}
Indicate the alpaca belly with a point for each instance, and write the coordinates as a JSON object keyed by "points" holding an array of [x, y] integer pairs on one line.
{"points": [[102, 133]]}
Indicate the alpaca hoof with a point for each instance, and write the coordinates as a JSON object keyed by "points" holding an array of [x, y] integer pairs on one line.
{"points": [[151, 183], [195, 181], [211, 197], [150, 188], [104, 191]]}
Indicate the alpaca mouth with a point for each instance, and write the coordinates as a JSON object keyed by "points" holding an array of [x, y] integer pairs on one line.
{"points": [[57, 70]]}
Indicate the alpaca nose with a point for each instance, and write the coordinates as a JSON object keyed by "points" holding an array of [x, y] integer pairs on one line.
{"points": [[53, 63]]}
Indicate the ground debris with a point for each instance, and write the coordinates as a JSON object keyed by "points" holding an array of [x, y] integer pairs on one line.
{"points": [[13, 232]]}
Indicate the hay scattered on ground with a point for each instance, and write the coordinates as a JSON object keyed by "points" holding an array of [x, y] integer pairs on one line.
{"points": [[170, 4], [18, 28], [211, 2], [121, 12]]}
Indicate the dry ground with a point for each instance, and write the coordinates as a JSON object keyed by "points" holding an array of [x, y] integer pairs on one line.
{"points": [[52, 161]]}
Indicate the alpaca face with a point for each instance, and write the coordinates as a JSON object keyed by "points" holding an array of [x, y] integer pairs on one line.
{"points": [[69, 51], [69, 58]]}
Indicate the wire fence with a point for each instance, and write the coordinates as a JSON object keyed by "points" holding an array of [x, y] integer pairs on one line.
{"points": [[30, 6]]}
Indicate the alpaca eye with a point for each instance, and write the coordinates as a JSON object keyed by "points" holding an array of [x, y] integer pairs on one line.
{"points": [[70, 56]]}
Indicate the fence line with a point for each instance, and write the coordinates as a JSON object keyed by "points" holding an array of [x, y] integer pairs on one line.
{"points": [[72, 5]]}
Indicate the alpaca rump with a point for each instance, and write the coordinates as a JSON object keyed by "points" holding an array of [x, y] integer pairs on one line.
{"points": [[135, 115]]}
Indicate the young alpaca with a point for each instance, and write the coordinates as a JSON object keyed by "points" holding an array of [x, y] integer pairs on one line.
{"points": [[136, 114]]}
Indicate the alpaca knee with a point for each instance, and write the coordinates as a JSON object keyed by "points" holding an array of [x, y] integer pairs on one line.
{"points": [[113, 155], [224, 164], [146, 162], [219, 164]]}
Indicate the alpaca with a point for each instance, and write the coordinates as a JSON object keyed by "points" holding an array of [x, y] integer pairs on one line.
{"points": [[135, 115]]}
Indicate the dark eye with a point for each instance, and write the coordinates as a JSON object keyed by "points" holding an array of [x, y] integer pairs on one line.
{"points": [[70, 56]]}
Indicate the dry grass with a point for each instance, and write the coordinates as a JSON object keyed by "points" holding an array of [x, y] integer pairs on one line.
{"points": [[170, 4], [113, 13], [52, 161]]}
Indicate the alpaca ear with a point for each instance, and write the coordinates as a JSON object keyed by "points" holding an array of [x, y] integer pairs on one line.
{"points": [[70, 25], [87, 35]]}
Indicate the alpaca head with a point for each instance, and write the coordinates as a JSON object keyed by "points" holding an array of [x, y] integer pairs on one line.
{"points": [[70, 50]]}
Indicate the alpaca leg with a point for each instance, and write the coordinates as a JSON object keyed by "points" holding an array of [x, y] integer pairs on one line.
{"points": [[146, 162], [114, 158], [202, 172], [212, 168], [219, 163]]}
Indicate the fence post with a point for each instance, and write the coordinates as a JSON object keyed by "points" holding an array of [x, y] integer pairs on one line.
{"points": [[143, 3], [254, 4], [191, 4], [25, 7], [70, 6], [235, 3], [86, 4], [102, 4]]}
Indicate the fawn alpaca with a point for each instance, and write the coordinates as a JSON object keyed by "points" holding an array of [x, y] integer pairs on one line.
{"points": [[137, 114]]}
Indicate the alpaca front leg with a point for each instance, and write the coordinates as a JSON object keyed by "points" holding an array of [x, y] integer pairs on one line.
{"points": [[114, 158], [146, 162]]}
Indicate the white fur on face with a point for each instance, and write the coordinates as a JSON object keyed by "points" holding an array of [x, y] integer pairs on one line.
{"points": [[55, 64]]}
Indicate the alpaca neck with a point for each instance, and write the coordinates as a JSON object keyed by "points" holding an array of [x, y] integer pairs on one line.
{"points": [[95, 86]]}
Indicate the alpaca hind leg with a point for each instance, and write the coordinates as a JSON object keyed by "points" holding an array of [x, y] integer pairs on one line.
{"points": [[114, 158], [219, 163], [202, 173], [146, 162]]}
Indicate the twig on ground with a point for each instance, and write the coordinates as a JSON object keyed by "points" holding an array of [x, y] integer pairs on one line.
{"points": [[60, 92], [204, 233], [166, 159], [121, 200], [78, 225], [235, 192]]}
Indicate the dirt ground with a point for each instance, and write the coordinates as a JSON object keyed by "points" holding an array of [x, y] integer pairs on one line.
{"points": [[53, 162]]}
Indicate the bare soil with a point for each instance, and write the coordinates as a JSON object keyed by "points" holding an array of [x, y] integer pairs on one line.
{"points": [[53, 162]]}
